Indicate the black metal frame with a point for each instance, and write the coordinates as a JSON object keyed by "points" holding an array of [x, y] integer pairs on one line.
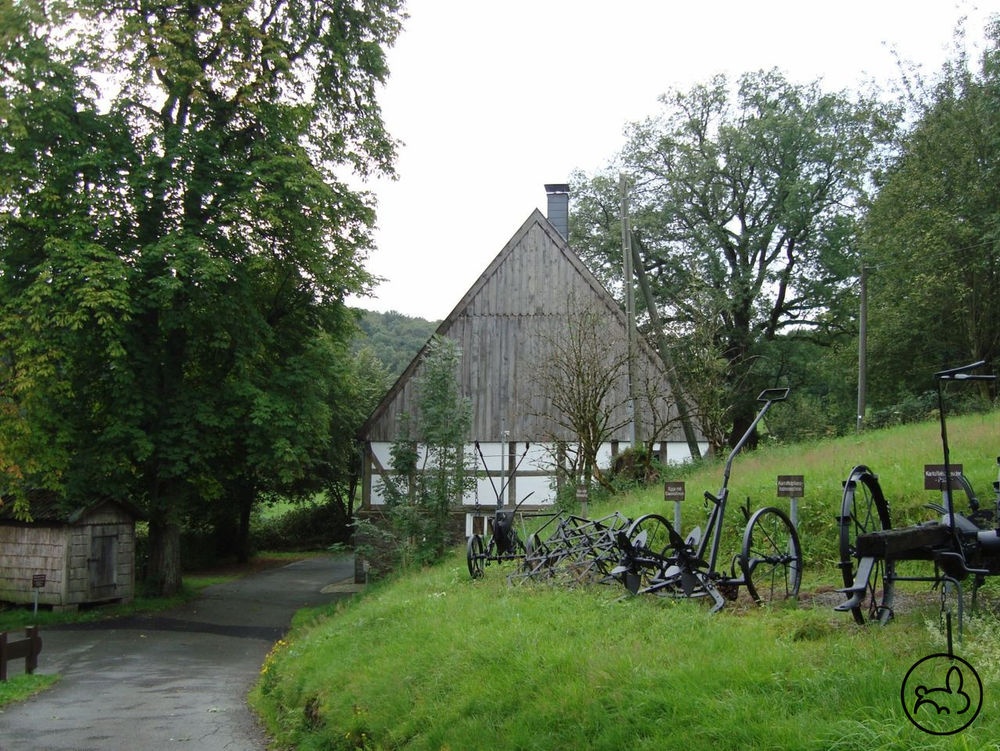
{"points": [[957, 545], [656, 559], [503, 542]]}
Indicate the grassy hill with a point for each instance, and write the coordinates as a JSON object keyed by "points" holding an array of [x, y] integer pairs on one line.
{"points": [[434, 660]]}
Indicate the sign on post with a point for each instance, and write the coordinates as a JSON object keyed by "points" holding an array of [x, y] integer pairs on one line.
{"points": [[934, 475], [792, 487], [674, 491], [37, 582], [582, 495]]}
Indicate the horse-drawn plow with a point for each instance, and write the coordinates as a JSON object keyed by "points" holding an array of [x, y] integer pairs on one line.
{"points": [[959, 546], [647, 555]]}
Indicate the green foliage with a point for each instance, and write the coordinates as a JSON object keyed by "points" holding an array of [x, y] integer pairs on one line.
{"points": [[430, 465], [176, 244], [743, 203], [307, 526], [932, 238], [394, 338]]}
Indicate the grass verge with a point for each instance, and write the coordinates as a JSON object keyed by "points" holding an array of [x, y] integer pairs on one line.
{"points": [[435, 660]]}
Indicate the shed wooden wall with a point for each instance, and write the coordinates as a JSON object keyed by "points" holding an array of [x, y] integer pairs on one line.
{"points": [[29, 550], [62, 552]]}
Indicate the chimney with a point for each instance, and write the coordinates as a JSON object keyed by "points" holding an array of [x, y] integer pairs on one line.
{"points": [[559, 208]]}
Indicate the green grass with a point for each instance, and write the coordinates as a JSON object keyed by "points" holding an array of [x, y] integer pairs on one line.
{"points": [[20, 687], [434, 660]]}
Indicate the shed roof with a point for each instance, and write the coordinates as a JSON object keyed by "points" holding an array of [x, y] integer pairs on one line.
{"points": [[48, 507]]}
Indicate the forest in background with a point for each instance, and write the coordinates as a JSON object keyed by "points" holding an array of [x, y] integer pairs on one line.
{"points": [[394, 338]]}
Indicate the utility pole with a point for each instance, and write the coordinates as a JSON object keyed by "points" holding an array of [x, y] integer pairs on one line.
{"points": [[664, 349], [629, 275], [862, 348]]}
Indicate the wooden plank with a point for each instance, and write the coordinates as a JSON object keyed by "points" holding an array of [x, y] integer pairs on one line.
{"points": [[27, 649], [908, 543]]}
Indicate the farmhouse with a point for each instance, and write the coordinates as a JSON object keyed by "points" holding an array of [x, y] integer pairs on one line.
{"points": [[508, 325], [68, 558]]}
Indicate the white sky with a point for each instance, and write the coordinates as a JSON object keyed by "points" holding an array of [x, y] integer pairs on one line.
{"points": [[495, 98]]}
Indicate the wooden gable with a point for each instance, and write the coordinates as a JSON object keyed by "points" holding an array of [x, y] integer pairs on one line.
{"points": [[504, 325]]}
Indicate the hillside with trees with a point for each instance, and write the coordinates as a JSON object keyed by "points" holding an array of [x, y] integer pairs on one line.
{"points": [[395, 339]]}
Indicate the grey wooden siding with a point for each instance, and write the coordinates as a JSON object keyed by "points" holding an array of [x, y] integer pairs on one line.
{"points": [[25, 551], [68, 556], [504, 326]]}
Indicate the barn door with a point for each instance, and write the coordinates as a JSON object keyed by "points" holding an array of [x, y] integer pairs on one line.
{"points": [[102, 564]]}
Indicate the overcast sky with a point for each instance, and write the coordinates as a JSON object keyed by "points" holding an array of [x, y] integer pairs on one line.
{"points": [[494, 99]]}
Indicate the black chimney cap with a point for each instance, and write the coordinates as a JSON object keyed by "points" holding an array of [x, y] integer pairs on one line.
{"points": [[557, 188]]}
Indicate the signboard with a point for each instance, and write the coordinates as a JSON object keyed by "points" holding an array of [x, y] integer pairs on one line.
{"points": [[934, 475], [673, 491], [581, 493], [37, 580], [791, 486]]}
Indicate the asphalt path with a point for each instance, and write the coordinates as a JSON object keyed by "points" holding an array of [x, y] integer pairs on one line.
{"points": [[174, 680]]}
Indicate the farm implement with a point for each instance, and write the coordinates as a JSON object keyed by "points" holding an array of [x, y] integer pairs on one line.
{"points": [[959, 546]]}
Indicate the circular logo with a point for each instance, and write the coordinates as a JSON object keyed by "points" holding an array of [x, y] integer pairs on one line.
{"points": [[942, 694]]}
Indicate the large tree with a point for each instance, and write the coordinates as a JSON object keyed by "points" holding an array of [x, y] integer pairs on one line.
{"points": [[743, 204], [177, 240], [932, 237]]}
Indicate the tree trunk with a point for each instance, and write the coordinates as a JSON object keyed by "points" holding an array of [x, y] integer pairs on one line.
{"points": [[164, 557], [740, 425]]}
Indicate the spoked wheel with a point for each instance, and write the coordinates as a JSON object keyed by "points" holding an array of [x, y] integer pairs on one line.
{"points": [[864, 509], [476, 556], [771, 558]]}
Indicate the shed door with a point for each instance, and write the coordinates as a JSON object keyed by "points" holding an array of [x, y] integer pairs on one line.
{"points": [[102, 565]]}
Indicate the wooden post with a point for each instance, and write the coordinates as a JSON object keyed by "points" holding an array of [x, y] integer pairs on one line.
{"points": [[27, 648], [629, 275], [34, 647]]}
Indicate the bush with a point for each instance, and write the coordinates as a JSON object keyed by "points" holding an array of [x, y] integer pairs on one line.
{"points": [[634, 468], [309, 527], [378, 546]]}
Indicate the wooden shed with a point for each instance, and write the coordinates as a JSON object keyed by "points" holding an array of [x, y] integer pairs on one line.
{"points": [[86, 555], [505, 326]]}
